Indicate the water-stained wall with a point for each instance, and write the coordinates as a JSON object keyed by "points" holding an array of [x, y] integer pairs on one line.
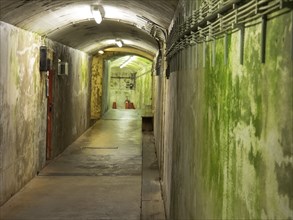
{"points": [[143, 89], [231, 128], [23, 107], [71, 96], [97, 77], [23, 104]]}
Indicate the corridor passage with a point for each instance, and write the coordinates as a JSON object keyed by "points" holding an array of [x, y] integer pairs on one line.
{"points": [[97, 177]]}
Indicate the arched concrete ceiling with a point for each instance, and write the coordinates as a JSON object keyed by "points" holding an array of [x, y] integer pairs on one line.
{"points": [[90, 37], [130, 51], [71, 22], [135, 65]]}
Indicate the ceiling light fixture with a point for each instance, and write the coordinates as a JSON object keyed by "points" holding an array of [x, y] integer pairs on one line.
{"points": [[97, 13], [127, 61], [119, 43], [101, 52]]}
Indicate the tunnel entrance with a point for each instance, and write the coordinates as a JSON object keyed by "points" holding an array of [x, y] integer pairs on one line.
{"points": [[121, 80], [130, 82]]}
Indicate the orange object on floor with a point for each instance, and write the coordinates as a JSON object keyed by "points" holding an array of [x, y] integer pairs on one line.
{"points": [[131, 105], [114, 106]]}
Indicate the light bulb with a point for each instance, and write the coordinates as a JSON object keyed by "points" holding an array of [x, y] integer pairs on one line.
{"points": [[97, 14]]}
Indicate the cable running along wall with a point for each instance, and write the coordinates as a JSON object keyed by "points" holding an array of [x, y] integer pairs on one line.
{"points": [[216, 18]]}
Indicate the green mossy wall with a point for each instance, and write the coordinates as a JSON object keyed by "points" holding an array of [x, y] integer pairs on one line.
{"points": [[143, 90], [233, 129]]}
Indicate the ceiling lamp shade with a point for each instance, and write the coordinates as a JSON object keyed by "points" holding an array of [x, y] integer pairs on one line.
{"points": [[119, 43], [97, 14]]}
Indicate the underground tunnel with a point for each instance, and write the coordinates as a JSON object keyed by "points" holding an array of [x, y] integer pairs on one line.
{"points": [[78, 80]]}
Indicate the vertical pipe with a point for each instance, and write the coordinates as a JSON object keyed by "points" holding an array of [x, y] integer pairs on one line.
{"points": [[177, 61], [190, 56], [196, 56], [263, 38], [204, 54], [214, 52], [241, 44], [226, 49], [292, 34]]}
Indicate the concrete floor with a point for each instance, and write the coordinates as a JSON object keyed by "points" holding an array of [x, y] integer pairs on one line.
{"points": [[98, 177], [152, 203]]}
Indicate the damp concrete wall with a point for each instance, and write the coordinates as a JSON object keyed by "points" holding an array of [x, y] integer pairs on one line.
{"points": [[23, 109], [23, 104], [97, 89], [71, 96], [106, 88], [143, 89], [100, 81], [229, 128]]}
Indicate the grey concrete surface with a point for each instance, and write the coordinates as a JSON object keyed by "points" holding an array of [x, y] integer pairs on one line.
{"points": [[97, 177], [60, 21], [152, 202]]}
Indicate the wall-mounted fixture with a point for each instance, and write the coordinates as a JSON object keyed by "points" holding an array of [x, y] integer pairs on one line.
{"points": [[45, 62], [96, 12], [62, 68], [43, 59], [119, 43]]}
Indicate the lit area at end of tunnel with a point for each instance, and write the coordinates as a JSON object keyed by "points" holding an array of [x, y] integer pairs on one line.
{"points": [[139, 109]]}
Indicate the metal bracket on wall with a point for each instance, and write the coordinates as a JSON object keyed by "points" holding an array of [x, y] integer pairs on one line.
{"points": [[226, 49], [286, 4], [242, 35], [168, 71], [214, 52], [292, 35], [204, 54], [196, 56], [263, 38]]}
